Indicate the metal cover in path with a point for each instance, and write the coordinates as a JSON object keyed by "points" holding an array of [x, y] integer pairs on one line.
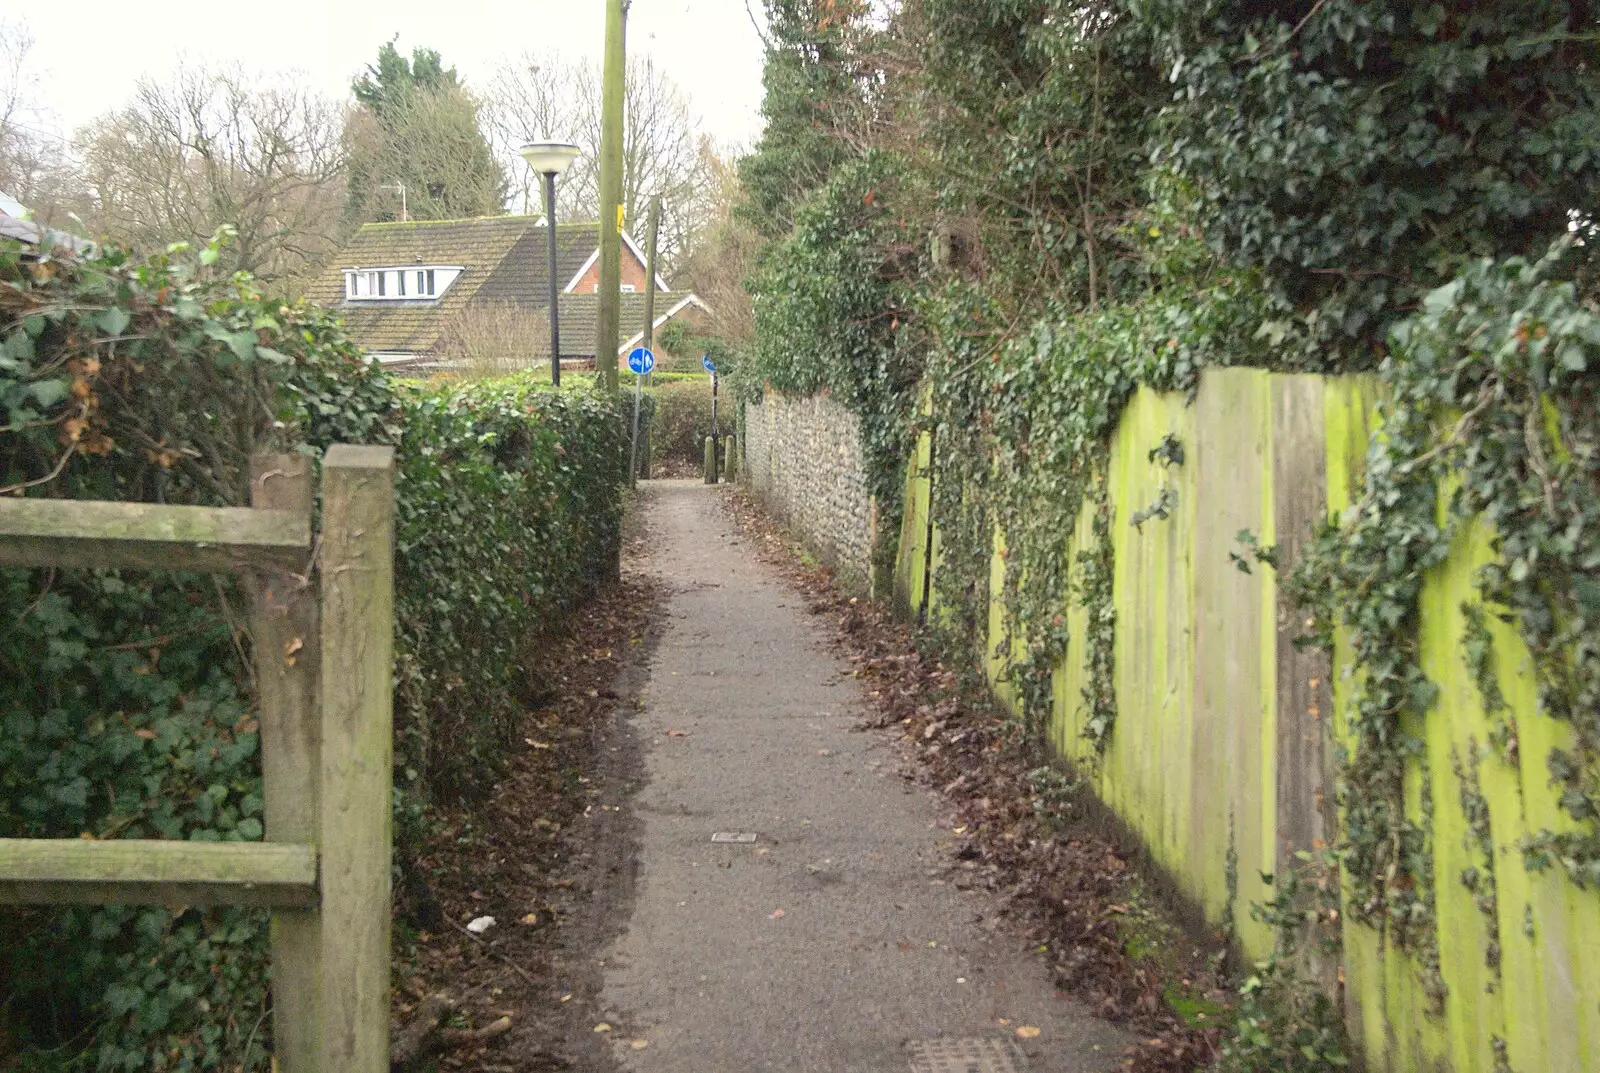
{"points": [[966, 1056]]}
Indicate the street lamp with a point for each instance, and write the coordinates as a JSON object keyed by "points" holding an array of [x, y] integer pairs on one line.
{"points": [[551, 159]]}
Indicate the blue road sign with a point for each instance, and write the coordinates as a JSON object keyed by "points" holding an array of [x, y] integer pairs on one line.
{"points": [[640, 360], [705, 359]]}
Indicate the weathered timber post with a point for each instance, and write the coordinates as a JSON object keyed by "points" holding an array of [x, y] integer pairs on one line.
{"points": [[287, 657], [357, 755], [711, 461], [730, 462]]}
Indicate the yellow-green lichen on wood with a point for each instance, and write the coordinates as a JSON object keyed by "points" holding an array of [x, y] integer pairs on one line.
{"points": [[911, 572], [1146, 775], [1068, 715], [1005, 646], [1194, 758], [1233, 629], [1542, 1002]]}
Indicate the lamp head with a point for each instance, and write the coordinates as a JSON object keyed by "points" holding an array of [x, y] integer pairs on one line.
{"points": [[549, 158]]}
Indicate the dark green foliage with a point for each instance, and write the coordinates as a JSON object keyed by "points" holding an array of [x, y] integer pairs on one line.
{"points": [[1479, 877], [1361, 152], [831, 302], [417, 127], [508, 513], [813, 63], [1287, 1023], [683, 419], [1037, 140], [386, 87], [125, 700]]}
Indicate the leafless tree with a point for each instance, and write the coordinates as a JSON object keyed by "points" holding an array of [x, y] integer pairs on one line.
{"points": [[32, 150], [664, 149], [495, 339], [207, 147], [722, 255], [533, 98]]}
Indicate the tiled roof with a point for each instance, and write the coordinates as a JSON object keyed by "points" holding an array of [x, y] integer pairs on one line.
{"points": [[579, 313], [504, 260], [522, 277]]}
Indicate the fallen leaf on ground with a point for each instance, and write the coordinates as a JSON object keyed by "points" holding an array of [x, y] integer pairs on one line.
{"points": [[776, 913], [603, 1027], [1027, 1032], [531, 918], [676, 733], [639, 1044]]}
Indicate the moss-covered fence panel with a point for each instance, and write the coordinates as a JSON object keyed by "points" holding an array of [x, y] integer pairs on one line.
{"points": [[1227, 736]]}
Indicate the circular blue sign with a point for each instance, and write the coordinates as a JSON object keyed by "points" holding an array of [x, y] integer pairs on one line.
{"points": [[640, 360], [705, 359]]}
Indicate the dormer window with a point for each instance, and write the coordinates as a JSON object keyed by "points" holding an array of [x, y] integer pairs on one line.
{"points": [[415, 283]]}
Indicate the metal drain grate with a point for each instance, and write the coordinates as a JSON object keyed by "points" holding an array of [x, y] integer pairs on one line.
{"points": [[966, 1056]]}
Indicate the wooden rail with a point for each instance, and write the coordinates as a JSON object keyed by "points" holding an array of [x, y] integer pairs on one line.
{"points": [[323, 668], [60, 871], [143, 536]]}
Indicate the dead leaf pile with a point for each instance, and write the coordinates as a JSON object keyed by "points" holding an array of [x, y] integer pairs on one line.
{"points": [[509, 856]]}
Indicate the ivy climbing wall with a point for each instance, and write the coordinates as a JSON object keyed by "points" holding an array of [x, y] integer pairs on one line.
{"points": [[1223, 743]]}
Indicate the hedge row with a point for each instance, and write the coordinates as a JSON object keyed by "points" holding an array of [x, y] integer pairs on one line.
{"points": [[125, 704], [682, 419]]}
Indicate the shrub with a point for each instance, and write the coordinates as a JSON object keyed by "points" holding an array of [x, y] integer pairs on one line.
{"points": [[507, 514], [498, 339], [125, 705], [683, 419]]}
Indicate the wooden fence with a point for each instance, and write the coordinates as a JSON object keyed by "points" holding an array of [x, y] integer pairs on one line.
{"points": [[323, 671]]}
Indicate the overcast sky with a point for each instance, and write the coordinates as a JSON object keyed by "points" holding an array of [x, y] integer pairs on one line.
{"points": [[90, 53]]}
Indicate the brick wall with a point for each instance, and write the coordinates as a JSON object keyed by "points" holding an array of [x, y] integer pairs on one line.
{"points": [[802, 459], [632, 274]]}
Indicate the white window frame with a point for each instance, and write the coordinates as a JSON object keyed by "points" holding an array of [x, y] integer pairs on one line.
{"points": [[399, 283]]}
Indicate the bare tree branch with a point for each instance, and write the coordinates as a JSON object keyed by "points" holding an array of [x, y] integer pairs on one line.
{"points": [[664, 151], [206, 147]]}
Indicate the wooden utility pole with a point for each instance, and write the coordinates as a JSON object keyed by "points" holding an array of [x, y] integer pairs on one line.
{"points": [[608, 322]]}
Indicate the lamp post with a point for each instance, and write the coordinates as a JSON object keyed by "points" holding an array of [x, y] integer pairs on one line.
{"points": [[551, 159]]}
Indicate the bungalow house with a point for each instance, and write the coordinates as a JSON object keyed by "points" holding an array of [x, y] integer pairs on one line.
{"points": [[423, 294]]}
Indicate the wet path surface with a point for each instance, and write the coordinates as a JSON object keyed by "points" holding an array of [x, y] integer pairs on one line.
{"points": [[831, 943]]}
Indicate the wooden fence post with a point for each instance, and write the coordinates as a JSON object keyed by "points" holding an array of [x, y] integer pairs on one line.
{"points": [[287, 650], [357, 755]]}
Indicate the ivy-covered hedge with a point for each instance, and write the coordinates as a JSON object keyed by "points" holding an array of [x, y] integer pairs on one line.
{"points": [[125, 704]]}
